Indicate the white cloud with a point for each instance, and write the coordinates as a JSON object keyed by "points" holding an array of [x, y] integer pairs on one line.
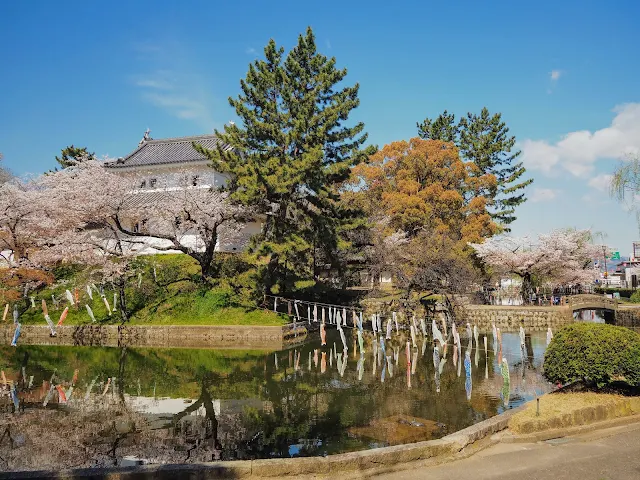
{"points": [[595, 198], [250, 51], [180, 105], [543, 195], [554, 76], [159, 84], [578, 151], [601, 183], [328, 43], [173, 84]]}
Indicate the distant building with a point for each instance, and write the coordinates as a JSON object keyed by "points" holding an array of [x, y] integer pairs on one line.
{"points": [[161, 166], [629, 273]]}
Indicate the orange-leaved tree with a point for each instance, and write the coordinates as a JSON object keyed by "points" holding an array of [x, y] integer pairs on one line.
{"points": [[420, 195], [425, 185]]}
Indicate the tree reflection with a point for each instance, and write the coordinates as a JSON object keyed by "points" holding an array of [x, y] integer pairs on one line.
{"points": [[205, 443], [212, 405]]}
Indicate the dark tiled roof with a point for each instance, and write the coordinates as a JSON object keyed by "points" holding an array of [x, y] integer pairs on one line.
{"points": [[166, 151]]}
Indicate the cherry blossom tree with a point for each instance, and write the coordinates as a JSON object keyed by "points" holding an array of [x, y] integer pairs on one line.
{"points": [[102, 213], [88, 215], [5, 175], [22, 227], [82, 206], [561, 257], [19, 222], [195, 220], [426, 262]]}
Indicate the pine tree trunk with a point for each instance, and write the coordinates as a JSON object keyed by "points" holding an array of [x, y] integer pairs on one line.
{"points": [[272, 270]]}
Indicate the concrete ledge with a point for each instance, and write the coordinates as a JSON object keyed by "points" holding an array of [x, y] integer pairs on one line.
{"points": [[346, 463], [568, 431]]}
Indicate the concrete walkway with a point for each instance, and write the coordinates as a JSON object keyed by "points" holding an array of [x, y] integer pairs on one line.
{"points": [[613, 453]]}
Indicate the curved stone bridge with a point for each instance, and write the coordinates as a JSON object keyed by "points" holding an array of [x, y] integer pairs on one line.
{"points": [[591, 302]]}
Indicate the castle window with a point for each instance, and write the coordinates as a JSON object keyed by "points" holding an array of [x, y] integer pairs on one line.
{"points": [[153, 182], [194, 180], [143, 184]]}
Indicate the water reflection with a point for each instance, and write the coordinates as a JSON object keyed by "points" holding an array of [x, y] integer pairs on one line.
{"points": [[67, 407]]}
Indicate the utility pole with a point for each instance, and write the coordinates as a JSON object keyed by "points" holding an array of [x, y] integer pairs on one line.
{"points": [[602, 236]]}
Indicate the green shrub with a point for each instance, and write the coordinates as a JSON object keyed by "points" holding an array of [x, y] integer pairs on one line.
{"points": [[624, 292], [635, 297], [596, 353]]}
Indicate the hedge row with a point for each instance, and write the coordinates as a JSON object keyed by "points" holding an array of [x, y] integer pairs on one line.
{"points": [[598, 354], [624, 292]]}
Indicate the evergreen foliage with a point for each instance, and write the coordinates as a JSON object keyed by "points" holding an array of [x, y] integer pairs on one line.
{"points": [[484, 140], [624, 292], [443, 128], [290, 155], [71, 156], [596, 353]]}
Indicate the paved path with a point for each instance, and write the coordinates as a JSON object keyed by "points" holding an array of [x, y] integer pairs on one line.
{"points": [[607, 454]]}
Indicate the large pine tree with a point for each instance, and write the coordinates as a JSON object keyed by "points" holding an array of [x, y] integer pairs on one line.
{"points": [[290, 155], [71, 156], [484, 140], [443, 128]]}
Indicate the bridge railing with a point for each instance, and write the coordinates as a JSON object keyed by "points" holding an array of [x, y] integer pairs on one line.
{"points": [[593, 301]]}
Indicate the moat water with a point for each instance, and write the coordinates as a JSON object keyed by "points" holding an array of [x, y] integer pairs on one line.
{"points": [[71, 407]]}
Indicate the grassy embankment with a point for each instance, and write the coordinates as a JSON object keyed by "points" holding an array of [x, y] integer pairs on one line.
{"points": [[172, 296], [562, 410]]}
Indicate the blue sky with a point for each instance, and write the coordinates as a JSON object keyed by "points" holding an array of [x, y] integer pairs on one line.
{"points": [[565, 76]]}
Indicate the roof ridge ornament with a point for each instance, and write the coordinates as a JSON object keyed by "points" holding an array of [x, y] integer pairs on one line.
{"points": [[145, 138]]}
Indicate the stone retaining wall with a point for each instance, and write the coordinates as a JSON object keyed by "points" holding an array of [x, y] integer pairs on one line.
{"points": [[628, 317], [192, 336], [508, 318]]}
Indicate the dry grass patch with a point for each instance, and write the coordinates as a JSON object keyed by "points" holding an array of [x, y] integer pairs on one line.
{"points": [[560, 410]]}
